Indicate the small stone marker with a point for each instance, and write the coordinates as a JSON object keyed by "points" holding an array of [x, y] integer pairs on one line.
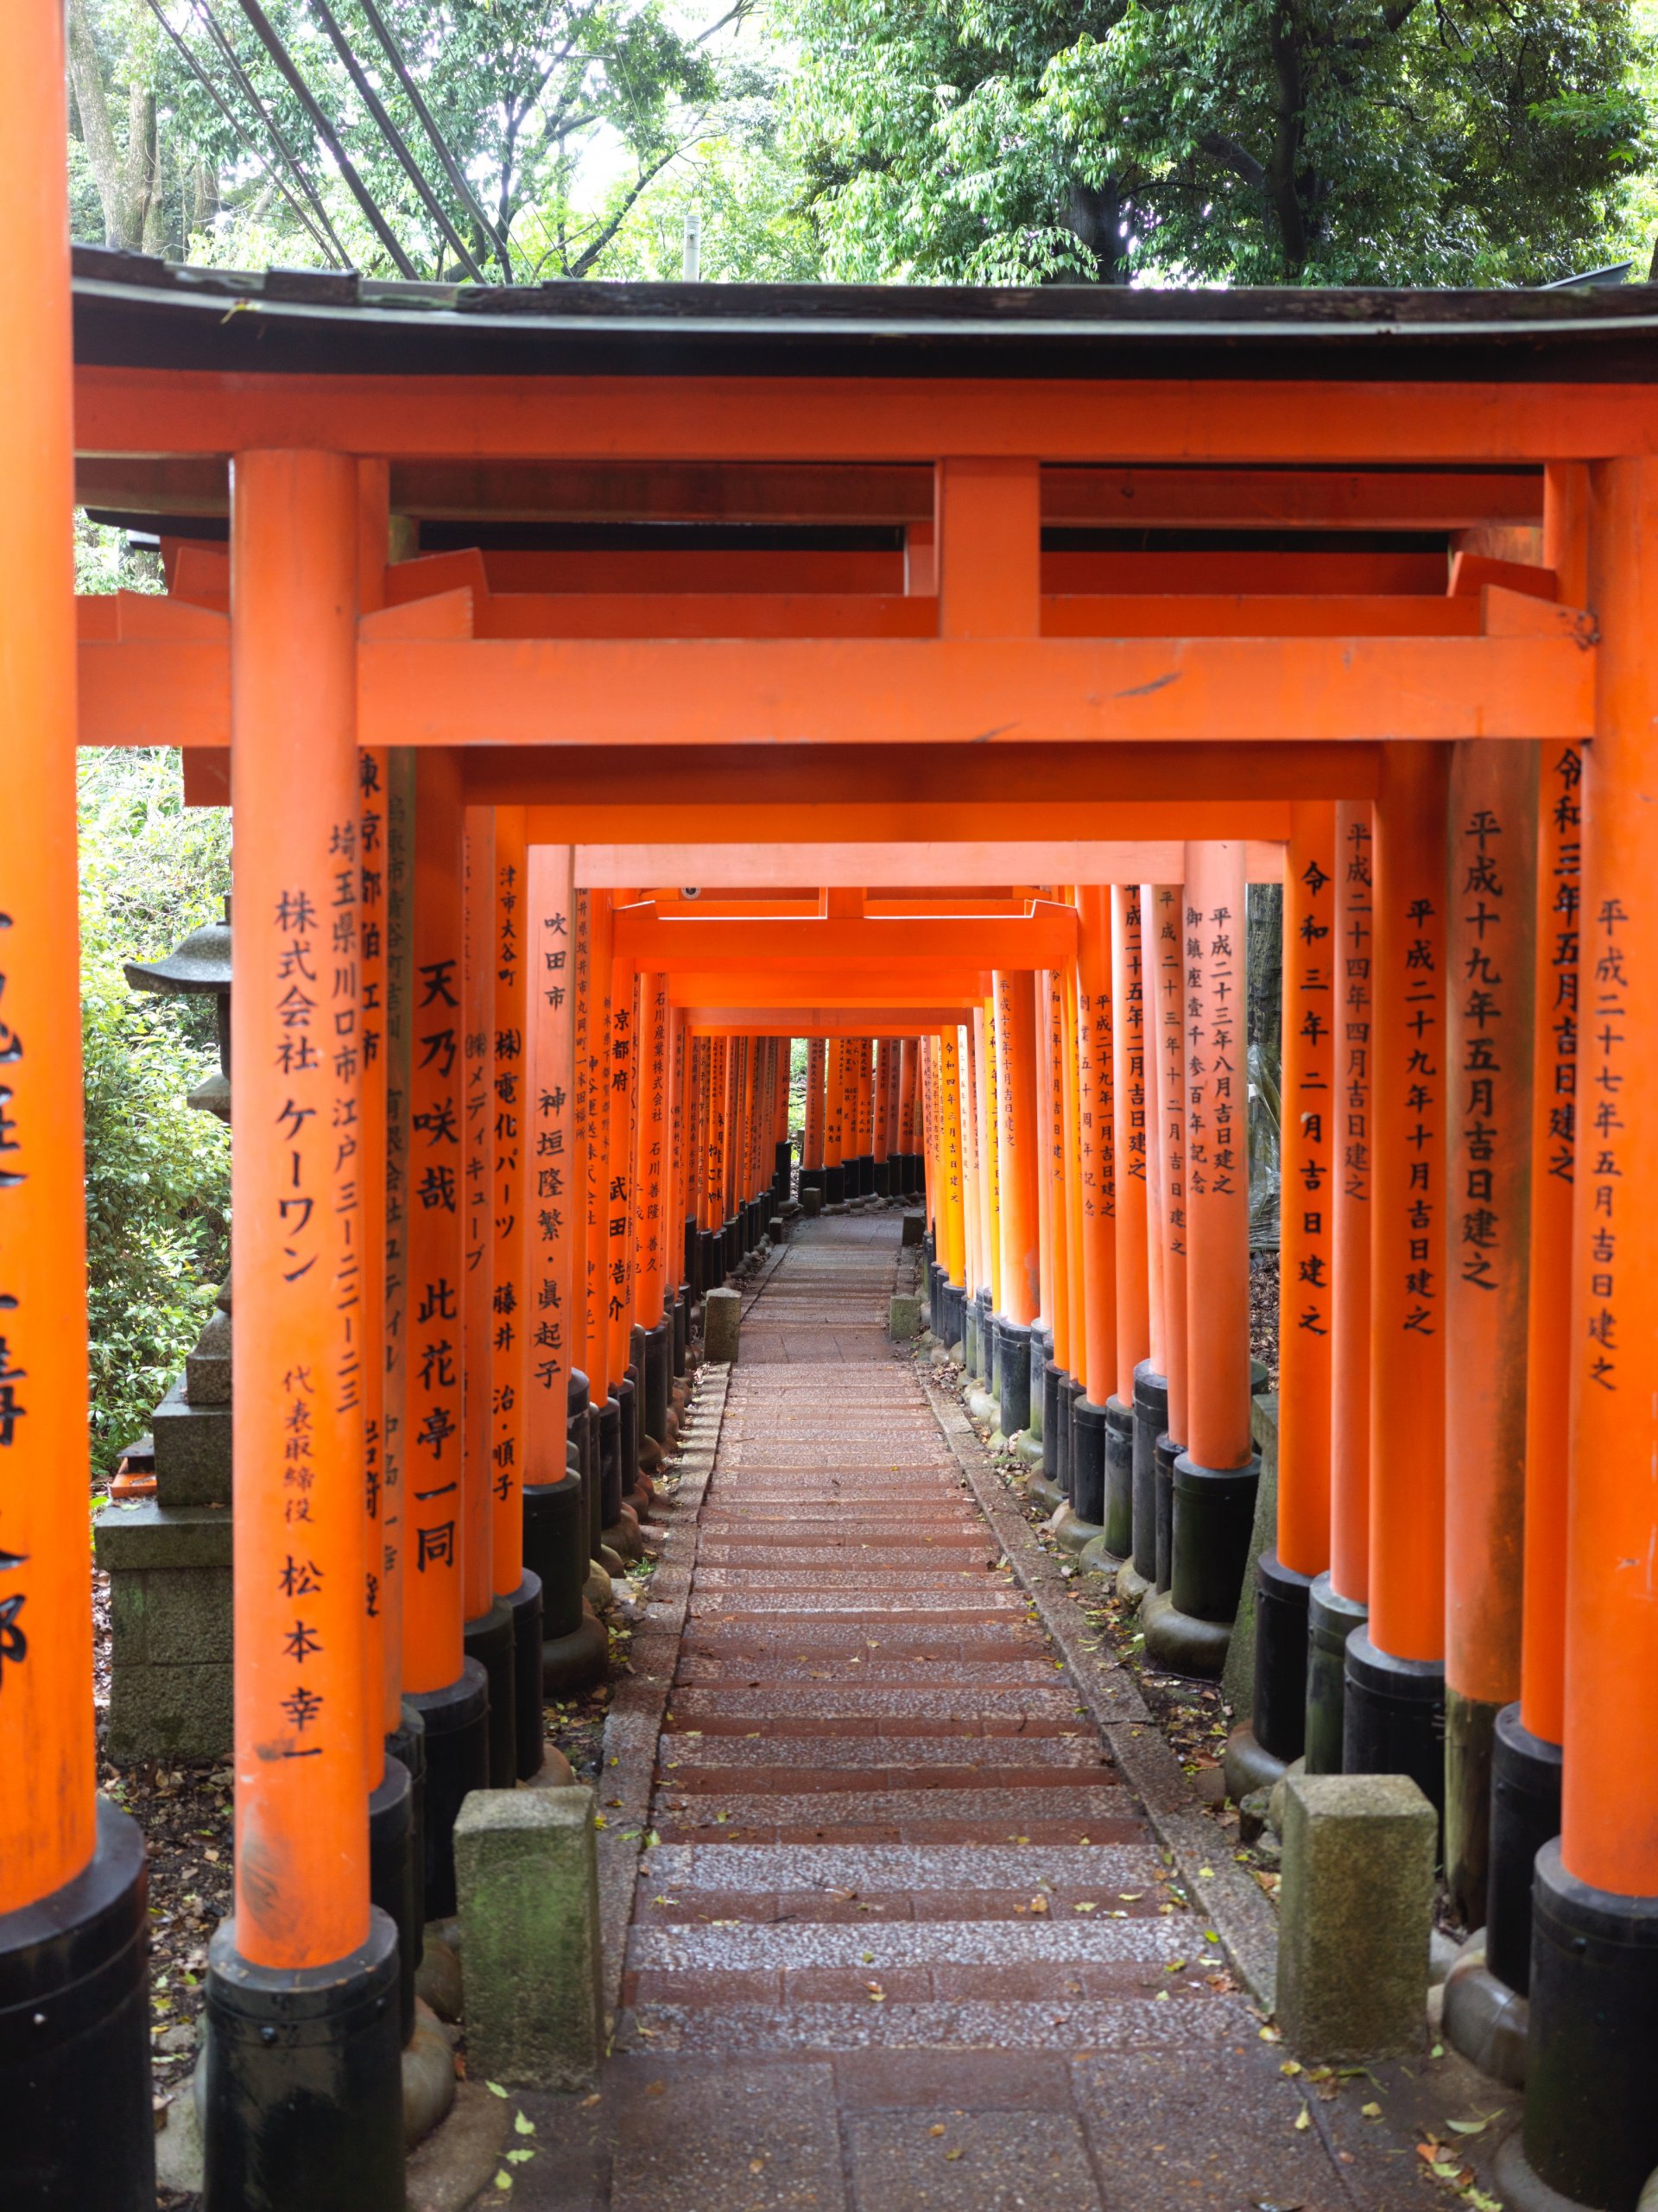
{"points": [[811, 1202], [721, 1325], [914, 1228], [526, 1873], [903, 1318], [774, 1229], [1355, 1908]]}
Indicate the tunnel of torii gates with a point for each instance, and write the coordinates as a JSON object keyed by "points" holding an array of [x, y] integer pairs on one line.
{"points": [[969, 653]]}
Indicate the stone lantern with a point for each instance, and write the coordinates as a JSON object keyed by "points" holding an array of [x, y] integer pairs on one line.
{"points": [[168, 1559]]}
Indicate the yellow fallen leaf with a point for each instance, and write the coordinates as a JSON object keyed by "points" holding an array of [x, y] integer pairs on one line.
{"points": [[1303, 2120], [1371, 2111], [937, 2128], [1039, 1904], [952, 2154], [1086, 1906], [1291, 2066], [1205, 1874]]}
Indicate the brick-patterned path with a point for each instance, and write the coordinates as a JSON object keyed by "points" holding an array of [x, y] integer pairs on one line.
{"points": [[906, 1941]]}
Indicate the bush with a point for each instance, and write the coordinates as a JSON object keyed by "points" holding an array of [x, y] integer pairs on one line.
{"points": [[157, 1173]]}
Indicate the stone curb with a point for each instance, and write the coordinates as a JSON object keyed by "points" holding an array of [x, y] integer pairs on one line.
{"points": [[640, 1699], [1239, 1912]]}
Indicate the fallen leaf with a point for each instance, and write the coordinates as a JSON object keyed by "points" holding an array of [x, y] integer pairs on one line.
{"points": [[1039, 1904], [1086, 1906], [937, 2128], [1291, 2066], [1371, 2112], [757, 2166], [1303, 2120], [495, 2089], [522, 2124], [1472, 2126], [952, 2154], [502, 2179]]}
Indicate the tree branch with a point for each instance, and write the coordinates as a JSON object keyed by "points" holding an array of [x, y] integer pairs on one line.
{"points": [[1236, 158]]}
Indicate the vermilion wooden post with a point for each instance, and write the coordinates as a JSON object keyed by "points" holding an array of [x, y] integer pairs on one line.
{"points": [[1095, 1329], [71, 1866], [953, 1253], [1216, 1476], [972, 1197], [1339, 1598], [907, 1063], [1591, 2126], [866, 1116], [446, 1687], [1167, 997], [1491, 945], [812, 1153], [1017, 1135], [488, 1623], [617, 1077], [1129, 1109], [1526, 1756], [1047, 1350], [593, 1041], [511, 1183], [1070, 1143], [990, 1170], [834, 1171], [653, 1216], [561, 1484], [1396, 1672], [303, 1929]]}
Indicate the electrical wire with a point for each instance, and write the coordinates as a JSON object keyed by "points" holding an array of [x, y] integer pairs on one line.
{"points": [[451, 169], [377, 108], [250, 93], [365, 199], [229, 114]]}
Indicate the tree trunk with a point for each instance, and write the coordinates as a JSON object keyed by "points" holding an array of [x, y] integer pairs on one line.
{"points": [[125, 179]]}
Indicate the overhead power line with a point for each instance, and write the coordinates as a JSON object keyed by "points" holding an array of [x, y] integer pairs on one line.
{"points": [[250, 93], [365, 199], [411, 168], [451, 169], [231, 117]]}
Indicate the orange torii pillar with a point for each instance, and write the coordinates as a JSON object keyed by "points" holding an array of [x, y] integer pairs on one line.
{"points": [[654, 1313], [1284, 1573], [1046, 1364], [74, 2078], [560, 1508], [864, 1076], [1215, 1479], [445, 1685], [972, 1196], [1338, 1600], [990, 1175], [913, 1178], [782, 1156], [619, 1080], [834, 1166], [1101, 1424], [1492, 936], [489, 1622], [1395, 1701], [1591, 2128], [881, 1146], [1018, 1138], [289, 2117], [1165, 954], [682, 1240], [720, 1051], [511, 1181], [1526, 1755], [1069, 1259], [582, 1416], [949, 1269], [1142, 1391], [811, 1154], [698, 1060]]}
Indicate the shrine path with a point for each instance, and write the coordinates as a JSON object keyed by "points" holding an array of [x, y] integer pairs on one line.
{"points": [[906, 1941]]}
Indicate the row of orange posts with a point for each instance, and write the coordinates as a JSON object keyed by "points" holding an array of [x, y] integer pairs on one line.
{"points": [[505, 1108]]}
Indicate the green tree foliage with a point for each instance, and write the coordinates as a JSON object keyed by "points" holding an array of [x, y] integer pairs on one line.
{"points": [[1327, 141], [157, 1173], [562, 120]]}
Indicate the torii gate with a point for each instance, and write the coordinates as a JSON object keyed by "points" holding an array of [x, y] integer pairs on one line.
{"points": [[991, 666]]}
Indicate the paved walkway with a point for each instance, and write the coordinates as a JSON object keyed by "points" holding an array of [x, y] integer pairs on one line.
{"points": [[906, 1940]]}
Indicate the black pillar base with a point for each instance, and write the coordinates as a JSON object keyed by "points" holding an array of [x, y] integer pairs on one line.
{"points": [[1164, 1455], [711, 1269], [782, 1168], [681, 1330], [1119, 1478], [303, 2101], [557, 1549], [395, 1878], [1278, 1718], [1150, 1419], [1395, 1718], [626, 1394], [1014, 1369], [488, 1640], [457, 1720], [1042, 1354], [993, 1322], [408, 1742], [1331, 1619], [610, 1463], [866, 1174], [529, 1729], [1088, 1459], [658, 1371], [690, 1257], [1051, 1374], [1525, 1816], [1591, 2128], [74, 2037], [810, 1179], [883, 1178], [1214, 1517], [731, 1245]]}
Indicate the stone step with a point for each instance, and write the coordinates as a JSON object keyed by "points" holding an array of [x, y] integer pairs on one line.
{"points": [[1001, 1812], [949, 1870], [1168, 1946], [1077, 2025], [869, 1576], [969, 1603], [989, 1674], [870, 1755], [818, 1700]]}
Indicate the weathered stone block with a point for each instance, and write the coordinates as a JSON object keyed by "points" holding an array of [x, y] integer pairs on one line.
{"points": [[913, 1230], [1355, 1909], [526, 1873], [903, 1318], [192, 1451], [811, 1202], [170, 1621], [721, 1324]]}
